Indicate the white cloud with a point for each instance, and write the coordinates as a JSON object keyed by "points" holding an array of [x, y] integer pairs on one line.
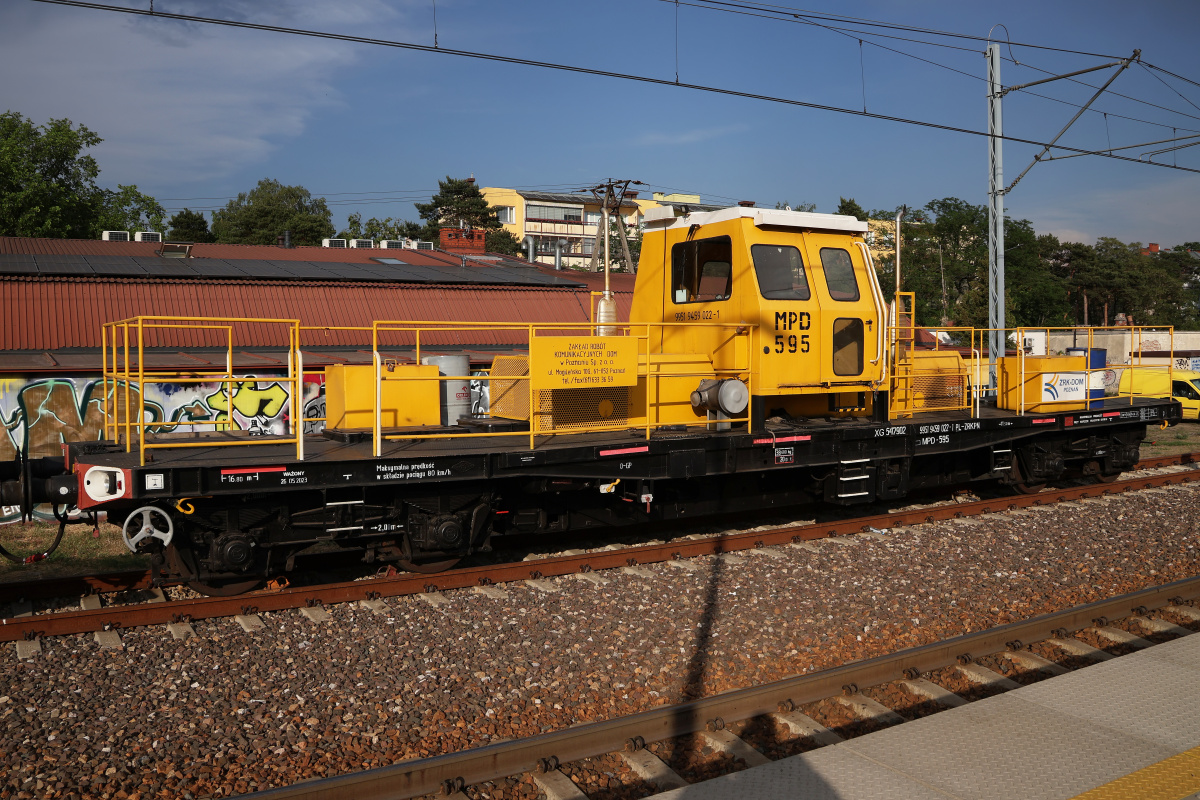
{"points": [[179, 102]]}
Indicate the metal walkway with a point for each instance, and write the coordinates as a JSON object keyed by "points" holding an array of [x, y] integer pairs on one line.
{"points": [[1126, 728]]}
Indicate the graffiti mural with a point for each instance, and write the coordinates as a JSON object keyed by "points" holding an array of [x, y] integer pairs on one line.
{"points": [[38, 414]]}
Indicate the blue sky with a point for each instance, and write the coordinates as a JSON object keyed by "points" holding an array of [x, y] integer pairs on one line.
{"points": [[193, 111]]}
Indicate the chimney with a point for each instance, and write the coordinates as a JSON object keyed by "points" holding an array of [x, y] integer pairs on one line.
{"points": [[746, 203], [464, 241], [287, 239], [1154, 247], [471, 179], [631, 195]]}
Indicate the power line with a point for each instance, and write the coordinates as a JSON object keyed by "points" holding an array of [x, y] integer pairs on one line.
{"points": [[492, 57], [799, 12], [857, 35], [1172, 74]]}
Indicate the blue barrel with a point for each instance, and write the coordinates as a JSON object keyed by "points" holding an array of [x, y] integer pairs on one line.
{"points": [[1097, 360]]}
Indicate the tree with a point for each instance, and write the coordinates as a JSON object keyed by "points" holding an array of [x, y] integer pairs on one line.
{"points": [[377, 229], [47, 186], [261, 215], [458, 201], [189, 226], [848, 207], [808, 207], [502, 241], [127, 209]]}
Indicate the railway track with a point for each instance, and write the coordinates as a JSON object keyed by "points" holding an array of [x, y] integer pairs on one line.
{"points": [[541, 757], [30, 627]]}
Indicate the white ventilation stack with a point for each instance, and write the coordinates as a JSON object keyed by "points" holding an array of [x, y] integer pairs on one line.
{"points": [[147, 236], [339, 243], [115, 236], [362, 243]]}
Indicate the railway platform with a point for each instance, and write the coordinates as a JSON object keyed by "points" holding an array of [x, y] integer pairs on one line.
{"points": [[1121, 729]]}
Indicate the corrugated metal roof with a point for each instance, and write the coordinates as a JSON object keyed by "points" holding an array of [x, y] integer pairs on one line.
{"points": [[49, 313], [21, 245], [458, 272]]}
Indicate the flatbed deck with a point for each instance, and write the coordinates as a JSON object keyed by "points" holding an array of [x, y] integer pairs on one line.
{"points": [[260, 464]]}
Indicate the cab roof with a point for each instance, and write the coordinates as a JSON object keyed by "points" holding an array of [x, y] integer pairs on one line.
{"points": [[668, 217]]}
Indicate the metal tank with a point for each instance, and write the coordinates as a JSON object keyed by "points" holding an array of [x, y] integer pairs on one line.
{"points": [[455, 394]]}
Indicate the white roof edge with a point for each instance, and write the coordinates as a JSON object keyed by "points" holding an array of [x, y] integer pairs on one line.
{"points": [[806, 219], [763, 217]]}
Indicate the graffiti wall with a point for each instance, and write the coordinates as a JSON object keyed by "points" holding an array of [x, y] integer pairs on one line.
{"points": [[38, 414]]}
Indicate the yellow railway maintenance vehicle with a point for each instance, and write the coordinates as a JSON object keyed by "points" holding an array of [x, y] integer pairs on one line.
{"points": [[760, 366]]}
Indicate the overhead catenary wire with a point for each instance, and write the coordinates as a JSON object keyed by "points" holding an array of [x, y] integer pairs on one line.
{"points": [[497, 58], [858, 35], [845, 19]]}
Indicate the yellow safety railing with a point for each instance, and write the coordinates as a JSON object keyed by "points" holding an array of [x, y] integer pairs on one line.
{"points": [[639, 332], [123, 347], [913, 365]]}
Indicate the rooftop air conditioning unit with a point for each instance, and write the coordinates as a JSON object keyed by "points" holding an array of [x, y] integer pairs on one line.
{"points": [[147, 236], [115, 236], [392, 244], [333, 243], [424, 245], [367, 243]]}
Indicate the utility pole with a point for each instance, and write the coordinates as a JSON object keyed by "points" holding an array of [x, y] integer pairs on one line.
{"points": [[997, 190], [611, 195], [996, 337]]}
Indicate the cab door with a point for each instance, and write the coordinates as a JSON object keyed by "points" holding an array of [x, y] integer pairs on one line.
{"points": [[789, 315], [849, 329]]}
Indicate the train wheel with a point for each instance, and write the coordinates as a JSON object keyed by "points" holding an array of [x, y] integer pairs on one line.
{"points": [[1102, 478], [179, 561], [427, 567], [225, 588], [1028, 488]]}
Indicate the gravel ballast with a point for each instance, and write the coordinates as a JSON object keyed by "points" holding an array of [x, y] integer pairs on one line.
{"points": [[229, 711]]}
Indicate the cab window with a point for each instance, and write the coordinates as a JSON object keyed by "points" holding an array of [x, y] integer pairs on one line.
{"points": [[847, 347], [780, 272], [839, 274], [1184, 390], [702, 271]]}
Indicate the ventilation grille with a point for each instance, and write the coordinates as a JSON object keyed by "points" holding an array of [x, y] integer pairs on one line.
{"points": [[582, 409]]}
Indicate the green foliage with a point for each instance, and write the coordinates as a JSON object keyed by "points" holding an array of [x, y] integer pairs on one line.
{"points": [[189, 226], [458, 201], [378, 229], [266, 211], [502, 241], [808, 207], [127, 209], [848, 207], [47, 186]]}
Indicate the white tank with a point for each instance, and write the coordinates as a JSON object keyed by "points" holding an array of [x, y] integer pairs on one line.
{"points": [[456, 394]]}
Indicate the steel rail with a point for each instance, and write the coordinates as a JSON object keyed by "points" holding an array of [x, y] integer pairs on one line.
{"points": [[427, 775], [116, 617]]}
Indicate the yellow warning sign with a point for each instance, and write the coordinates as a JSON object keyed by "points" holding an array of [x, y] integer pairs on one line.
{"points": [[577, 362]]}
